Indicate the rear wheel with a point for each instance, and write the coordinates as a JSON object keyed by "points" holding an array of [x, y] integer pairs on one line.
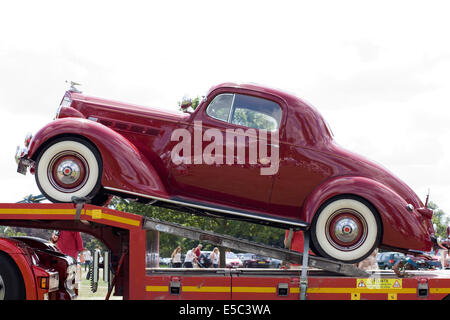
{"points": [[11, 282], [346, 228], [69, 167]]}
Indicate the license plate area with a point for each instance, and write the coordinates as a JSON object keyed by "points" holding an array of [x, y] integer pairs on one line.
{"points": [[22, 168]]}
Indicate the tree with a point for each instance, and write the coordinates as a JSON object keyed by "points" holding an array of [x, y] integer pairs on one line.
{"points": [[6, 231], [440, 220], [239, 229], [195, 102]]}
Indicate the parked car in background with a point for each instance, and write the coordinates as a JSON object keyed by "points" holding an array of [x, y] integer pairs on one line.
{"points": [[232, 260], [251, 260], [275, 263], [423, 261], [386, 260], [165, 262]]}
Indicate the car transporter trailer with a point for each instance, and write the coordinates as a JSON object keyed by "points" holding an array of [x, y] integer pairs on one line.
{"points": [[131, 264]]}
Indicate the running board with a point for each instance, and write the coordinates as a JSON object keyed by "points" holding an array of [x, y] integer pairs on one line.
{"points": [[253, 247], [241, 215]]}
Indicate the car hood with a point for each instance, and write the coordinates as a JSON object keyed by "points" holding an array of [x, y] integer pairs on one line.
{"points": [[128, 108]]}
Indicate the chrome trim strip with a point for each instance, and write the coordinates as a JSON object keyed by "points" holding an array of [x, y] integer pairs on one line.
{"points": [[236, 213], [231, 109]]}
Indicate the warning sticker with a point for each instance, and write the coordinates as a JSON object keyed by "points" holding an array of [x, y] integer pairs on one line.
{"points": [[377, 283]]}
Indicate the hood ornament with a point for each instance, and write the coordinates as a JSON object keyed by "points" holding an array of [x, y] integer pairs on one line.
{"points": [[73, 87]]}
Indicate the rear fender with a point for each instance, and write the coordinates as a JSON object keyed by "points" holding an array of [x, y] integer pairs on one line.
{"points": [[401, 228], [124, 167]]}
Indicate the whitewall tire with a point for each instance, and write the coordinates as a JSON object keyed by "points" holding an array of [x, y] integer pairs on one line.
{"points": [[346, 228], [68, 167]]}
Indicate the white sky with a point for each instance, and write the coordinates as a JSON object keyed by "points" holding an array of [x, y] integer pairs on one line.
{"points": [[377, 70]]}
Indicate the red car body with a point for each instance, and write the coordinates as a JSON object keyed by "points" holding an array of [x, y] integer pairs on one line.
{"points": [[135, 145], [36, 260]]}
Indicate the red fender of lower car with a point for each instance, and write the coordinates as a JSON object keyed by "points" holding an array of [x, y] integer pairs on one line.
{"points": [[124, 167], [19, 256], [401, 228]]}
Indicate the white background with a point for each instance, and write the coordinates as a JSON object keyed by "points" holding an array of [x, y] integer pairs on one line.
{"points": [[378, 71]]}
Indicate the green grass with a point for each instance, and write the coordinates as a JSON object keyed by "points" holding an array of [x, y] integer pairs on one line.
{"points": [[85, 293]]}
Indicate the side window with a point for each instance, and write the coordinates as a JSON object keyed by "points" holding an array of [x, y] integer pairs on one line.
{"points": [[256, 113], [220, 107]]}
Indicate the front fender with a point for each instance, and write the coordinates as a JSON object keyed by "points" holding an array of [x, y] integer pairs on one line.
{"points": [[19, 257], [124, 167], [401, 228]]}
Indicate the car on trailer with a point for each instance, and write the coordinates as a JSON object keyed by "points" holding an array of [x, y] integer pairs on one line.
{"points": [[247, 152]]}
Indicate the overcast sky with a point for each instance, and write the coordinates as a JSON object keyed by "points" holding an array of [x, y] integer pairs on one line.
{"points": [[378, 71]]}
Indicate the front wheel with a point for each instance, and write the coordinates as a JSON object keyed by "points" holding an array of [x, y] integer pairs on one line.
{"points": [[346, 228], [68, 167]]}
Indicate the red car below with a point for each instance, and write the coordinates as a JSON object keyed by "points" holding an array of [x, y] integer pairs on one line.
{"points": [[247, 152]]}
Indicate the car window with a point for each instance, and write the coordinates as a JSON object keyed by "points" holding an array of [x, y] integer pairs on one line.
{"points": [[256, 113], [247, 111], [220, 107]]}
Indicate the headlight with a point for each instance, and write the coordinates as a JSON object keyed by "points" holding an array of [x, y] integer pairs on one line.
{"points": [[28, 139], [20, 152]]}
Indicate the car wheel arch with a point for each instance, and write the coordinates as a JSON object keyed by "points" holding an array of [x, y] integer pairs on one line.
{"points": [[52, 139], [120, 157], [401, 229]]}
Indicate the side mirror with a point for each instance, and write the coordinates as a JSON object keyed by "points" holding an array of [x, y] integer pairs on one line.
{"points": [[186, 103]]}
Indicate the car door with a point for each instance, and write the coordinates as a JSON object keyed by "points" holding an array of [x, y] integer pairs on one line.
{"points": [[235, 147]]}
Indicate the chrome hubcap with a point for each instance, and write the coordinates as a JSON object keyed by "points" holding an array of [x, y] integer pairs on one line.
{"points": [[68, 172], [346, 230]]}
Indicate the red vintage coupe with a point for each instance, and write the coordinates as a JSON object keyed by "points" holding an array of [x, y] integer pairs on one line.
{"points": [[247, 152]]}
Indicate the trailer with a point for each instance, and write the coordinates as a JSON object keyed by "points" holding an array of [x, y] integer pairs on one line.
{"points": [[131, 265]]}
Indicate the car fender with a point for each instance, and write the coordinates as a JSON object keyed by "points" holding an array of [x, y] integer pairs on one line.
{"points": [[401, 228], [18, 256], [124, 167]]}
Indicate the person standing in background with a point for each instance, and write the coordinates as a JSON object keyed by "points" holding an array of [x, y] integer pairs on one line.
{"points": [[70, 243], [176, 258], [214, 257], [189, 259], [55, 236], [197, 252], [87, 258]]}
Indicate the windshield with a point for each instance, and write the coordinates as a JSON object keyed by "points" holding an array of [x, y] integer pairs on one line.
{"points": [[231, 255]]}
